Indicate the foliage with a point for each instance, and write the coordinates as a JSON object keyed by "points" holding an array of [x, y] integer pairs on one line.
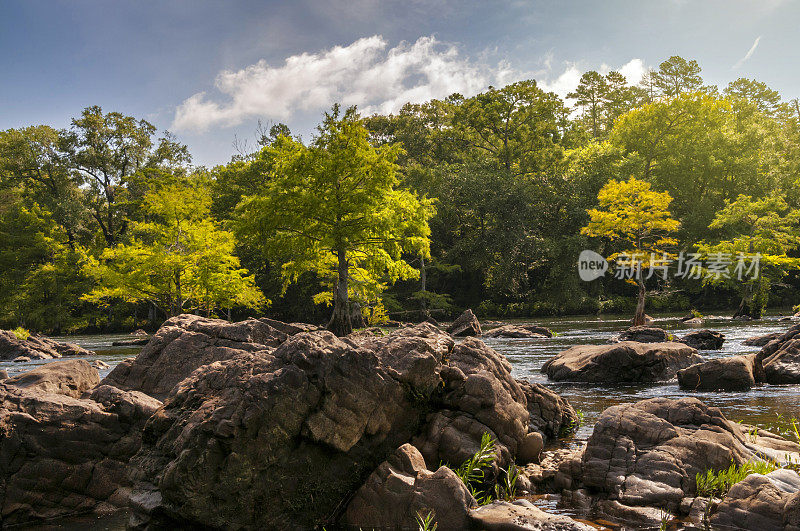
{"points": [[426, 522], [718, 483], [21, 333]]}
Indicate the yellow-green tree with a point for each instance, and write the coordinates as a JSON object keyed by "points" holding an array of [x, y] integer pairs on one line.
{"points": [[754, 237], [637, 221], [334, 208], [177, 259]]}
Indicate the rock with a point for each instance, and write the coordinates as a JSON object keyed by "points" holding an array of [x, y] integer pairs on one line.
{"points": [[21, 359], [100, 365], [401, 488], [689, 316], [36, 348], [628, 361], [648, 453], [531, 448], [703, 340], [187, 342], [693, 321], [735, 373], [783, 366], [3, 374], [69, 378], [641, 516], [61, 455], [647, 320], [505, 516], [742, 318], [130, 342], [549, 413], [139, 332], [513, 331], [488, 325], [645, 334], [760, 341], [759, 502], [283, 437], [466, 325]]}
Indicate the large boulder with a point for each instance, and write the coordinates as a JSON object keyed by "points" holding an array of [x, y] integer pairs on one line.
{"points": [[644, 334], [703, 340], [36, 348], [61, 455], [735, 373], [768, 502], [402, 488], [187, 342], [780, 360], [649, 453], [68, 377], [629, 361], [515, 331], [521, 515], [549, 413], [277, 438], [466, 325]]}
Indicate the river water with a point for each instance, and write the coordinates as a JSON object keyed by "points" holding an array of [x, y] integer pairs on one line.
{"points": [[767, 406]]}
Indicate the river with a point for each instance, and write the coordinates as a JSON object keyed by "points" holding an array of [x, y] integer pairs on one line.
{"points": [[767, 406]]}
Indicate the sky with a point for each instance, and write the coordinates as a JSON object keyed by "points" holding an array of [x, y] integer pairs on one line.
{"points": [[209, 71]]}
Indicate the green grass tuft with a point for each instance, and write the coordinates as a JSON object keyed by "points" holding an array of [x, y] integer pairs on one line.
{"points": [[718, 484]]}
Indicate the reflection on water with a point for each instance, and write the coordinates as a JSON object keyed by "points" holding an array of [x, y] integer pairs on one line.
{"points": [[760, 406]]}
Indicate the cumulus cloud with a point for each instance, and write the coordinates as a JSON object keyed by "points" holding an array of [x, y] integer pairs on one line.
{"points": [[633, 71], [367, 73], [748, 55]]}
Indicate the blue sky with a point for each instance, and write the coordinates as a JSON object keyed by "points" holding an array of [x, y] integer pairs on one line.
{"points": [[208, 71]]}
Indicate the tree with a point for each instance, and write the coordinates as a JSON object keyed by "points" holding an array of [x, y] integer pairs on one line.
{"points": [[177, 260], [765, 99], [676, 75], [333, 208], [591, 94], [637, 219], [747, 227]]}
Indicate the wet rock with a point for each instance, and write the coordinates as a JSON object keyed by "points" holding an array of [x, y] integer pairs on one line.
{"points": [[277, 438], [401, 488], [703, 340], [36, 348], [21, 359], [760, 502], [62, 455], [513, 331], [68, 377], [628, 361], [648, 453], [187, 342], [130, 342], [694, 321], [640, 516], [735, 373], [760, 341], [782, 366], [100, 365], [644, 334], [466, 325], [505, 516]]}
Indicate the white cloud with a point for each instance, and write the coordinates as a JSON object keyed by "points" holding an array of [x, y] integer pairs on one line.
{"points": [[748, 55], [564, 83], [366, 73], [633, 71]]}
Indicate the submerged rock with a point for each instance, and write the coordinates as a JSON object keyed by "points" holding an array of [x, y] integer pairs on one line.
{"points": [[703, 340], [735, 373], [628, 361], [466, 325]]}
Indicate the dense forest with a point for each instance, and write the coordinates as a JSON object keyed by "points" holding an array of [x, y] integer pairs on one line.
{"points": [[482, 202]]}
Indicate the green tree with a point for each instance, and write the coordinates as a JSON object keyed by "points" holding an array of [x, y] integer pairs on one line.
{"points": [[591, 95], [745, 228], [676, 75], [637, 220], [177, 260], [333, 208]]}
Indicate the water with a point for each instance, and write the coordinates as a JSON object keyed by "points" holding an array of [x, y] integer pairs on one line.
{"points": [[766, 406]]}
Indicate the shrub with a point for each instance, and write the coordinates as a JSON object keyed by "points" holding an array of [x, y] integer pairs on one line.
{"points": [[719, 483], [21, 333]]}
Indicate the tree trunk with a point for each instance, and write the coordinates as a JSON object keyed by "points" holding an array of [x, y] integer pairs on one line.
{"points": [[638, 319], [744, 305], [341, 323]]}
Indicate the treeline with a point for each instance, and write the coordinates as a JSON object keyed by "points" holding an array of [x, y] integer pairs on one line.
{"points": [[105, 225]]}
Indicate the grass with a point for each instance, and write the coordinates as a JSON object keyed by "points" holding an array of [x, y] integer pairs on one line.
{"points": [[718, 483], [21, 333], [426, 522]]}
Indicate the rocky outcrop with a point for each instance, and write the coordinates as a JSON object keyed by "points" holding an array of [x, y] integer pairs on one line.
{"points": [[466, 325], [549, 413], [735, 373], [277, 437], [68, 377], [62, 455], [703, 340], [648, 453], [515, 331], [36, 348], [521, 515], [187, 342], [628, 361], [644, 334], [762, 503], [760, 341], [780, 358], [402, 488]]}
